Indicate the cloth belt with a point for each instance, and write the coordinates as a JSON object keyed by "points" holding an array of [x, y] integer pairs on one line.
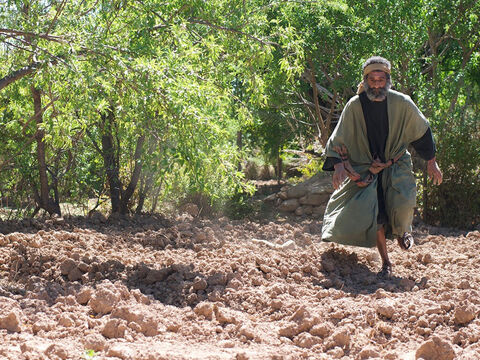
{"points": [[375, 167]]}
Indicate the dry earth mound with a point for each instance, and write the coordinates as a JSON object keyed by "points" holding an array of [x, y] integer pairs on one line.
{"points": [[148, 288]]}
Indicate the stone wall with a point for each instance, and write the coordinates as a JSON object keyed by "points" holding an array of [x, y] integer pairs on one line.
{"points": [[307, 198]]}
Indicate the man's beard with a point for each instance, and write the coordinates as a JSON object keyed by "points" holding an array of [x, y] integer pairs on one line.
{"points": [[379, 94]]}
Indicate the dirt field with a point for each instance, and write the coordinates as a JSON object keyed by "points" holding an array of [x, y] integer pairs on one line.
{"points": [[149, 288]]}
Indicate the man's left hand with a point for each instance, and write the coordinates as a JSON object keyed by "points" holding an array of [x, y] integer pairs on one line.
{"points": [[434, 172]]}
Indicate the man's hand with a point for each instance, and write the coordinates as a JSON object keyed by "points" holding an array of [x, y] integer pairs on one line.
{"points": [[433, 171], [339, 175]]}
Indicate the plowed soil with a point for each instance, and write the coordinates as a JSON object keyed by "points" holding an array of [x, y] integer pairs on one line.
{"points": [[187, 288]]}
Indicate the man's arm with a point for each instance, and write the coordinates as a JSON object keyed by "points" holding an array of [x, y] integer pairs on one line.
{"points": [[339, 175], [425, 147], [434, 171]]}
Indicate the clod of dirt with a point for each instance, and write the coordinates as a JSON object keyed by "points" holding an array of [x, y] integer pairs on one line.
{"points": [[204, 309], [368, 353], [10, 315], [386, 309], [114, 328], [464, 314], [144, 322], [94, 342], [306, 340], [104, 299], [435, 349]]}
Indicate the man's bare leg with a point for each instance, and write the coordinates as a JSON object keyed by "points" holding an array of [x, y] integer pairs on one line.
{"points": [[382, 249]]}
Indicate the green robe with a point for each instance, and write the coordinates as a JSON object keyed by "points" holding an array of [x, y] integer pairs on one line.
{"points": [[351, 213]]}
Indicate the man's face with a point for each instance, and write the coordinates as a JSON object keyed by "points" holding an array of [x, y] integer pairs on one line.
{"points": [[376, 86]]}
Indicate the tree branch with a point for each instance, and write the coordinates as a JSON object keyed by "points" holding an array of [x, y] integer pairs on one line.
{"points": [[18, 74], [204, 22], [30, 34]]}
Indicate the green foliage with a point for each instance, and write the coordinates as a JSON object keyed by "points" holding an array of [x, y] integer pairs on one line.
{"points": [[455, 202], [240, 206], [90, 355], [312, 167], [191, 75]]}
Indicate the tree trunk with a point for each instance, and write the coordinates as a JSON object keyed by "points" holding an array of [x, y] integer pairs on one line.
{"points": [[279, 167], [155, 197], [240, 147], [146, 183], [45, 202], [135, 176], [110, 163]]}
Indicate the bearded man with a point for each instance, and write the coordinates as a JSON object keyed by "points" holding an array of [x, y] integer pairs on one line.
{"points": [[375, 191]]}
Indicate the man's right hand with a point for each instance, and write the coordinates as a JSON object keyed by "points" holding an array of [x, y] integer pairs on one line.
{"points": [[339, 175]]}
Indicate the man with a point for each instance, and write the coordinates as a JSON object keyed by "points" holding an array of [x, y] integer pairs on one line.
{"points": [[374, 184]]}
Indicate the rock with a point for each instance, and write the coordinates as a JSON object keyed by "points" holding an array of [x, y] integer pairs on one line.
{"points": [[103, 301], [314, 199], [10, 321], [84, 296], [464, 314], [217, 279], [241, 356], [407, 284], [114, 328], [35, 346], [297, 191], [289, 205], [435, 349], [67, 266], [283, 195], [94, 342], [10, 315], [66, 320], [225, 316], [427, 259], [45, 325], [299, 211], [199, 284], [335, 353], [270, 198], [247, 331], [122, 351], [83, 267], [385, 328], [55, 351], [307, 209], [321, 330], [306, 340], [341, 338], [288, 245], [464, 284], [385, 309], [141, 298], [155, 275], [139, 315], [204, 309], [289, 330], [75, 274], [328, 265], [368, 352], [319, 210]]}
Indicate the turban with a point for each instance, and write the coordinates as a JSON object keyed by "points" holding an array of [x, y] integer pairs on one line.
{"points": [[372, 67], [376, 67]]}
